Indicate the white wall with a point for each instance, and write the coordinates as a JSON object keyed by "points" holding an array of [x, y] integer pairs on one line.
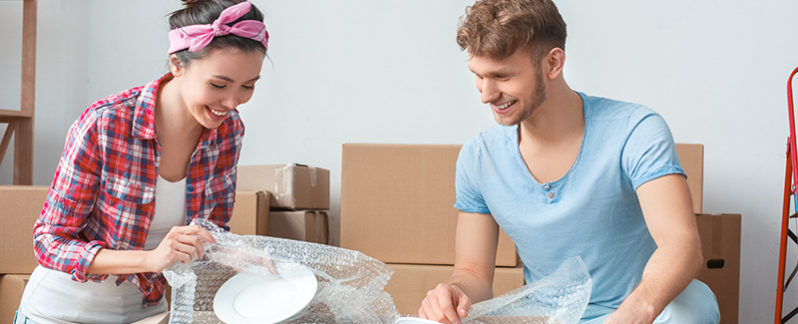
{"points": [[390, 72]]}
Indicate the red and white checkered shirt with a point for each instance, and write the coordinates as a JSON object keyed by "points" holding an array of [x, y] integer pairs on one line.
{"points": [[103, 191]]}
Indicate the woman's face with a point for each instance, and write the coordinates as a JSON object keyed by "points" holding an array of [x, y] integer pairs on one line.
{"points": [[214, 85]]}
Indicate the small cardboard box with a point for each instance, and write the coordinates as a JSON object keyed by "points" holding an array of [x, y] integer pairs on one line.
{"points": [[404, 195], [11, 288], [250, 213], [692, 158], [303, 225], [720, 244], [410, 283], [20, 206], [293, 186]]}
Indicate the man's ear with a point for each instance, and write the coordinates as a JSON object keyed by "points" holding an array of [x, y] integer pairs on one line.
{"points": [[175, 66], [553, 63]]}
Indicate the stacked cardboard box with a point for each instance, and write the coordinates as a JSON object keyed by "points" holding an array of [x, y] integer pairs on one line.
{"points": [[299, 196], [20, 206], [397, 206], [11, 288], [720, 244], [250, 213]]}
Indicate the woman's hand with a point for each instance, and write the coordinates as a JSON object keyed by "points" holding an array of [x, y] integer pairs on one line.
{"points": [[182, 243]]}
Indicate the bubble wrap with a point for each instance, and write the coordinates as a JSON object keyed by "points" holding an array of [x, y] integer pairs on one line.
{"points": [[560, 297], [350, 284]]}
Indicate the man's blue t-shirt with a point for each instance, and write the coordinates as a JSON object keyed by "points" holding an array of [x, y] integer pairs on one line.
{"points": [[592, 211]]}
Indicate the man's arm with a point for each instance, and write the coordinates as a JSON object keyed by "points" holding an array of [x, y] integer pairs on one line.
{"points": [[471, 281], [667, 209], [476, 240]]}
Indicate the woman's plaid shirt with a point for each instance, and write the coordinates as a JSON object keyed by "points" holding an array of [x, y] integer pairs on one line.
{"points": [[103, 191]]}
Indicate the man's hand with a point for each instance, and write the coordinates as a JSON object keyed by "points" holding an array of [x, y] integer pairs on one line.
{"points": [[446, 304]]}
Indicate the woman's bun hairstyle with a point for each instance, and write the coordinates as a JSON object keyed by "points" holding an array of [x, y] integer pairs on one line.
{"points": [[198, 12]]}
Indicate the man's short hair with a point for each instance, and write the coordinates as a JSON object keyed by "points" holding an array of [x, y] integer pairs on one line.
{"points": [[497, 28]]}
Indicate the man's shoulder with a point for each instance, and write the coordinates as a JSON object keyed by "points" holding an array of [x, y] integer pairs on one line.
{"points": [[611, 115], [607, 108]]}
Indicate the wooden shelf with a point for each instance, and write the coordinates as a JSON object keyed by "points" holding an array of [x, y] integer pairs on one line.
{"points": [[20, 122], [7, 115]]}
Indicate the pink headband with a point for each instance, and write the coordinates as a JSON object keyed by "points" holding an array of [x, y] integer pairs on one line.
{"points": [[196, 37]]}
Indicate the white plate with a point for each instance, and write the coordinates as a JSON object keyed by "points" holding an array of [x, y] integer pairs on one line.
{"points": [[249, 297]]}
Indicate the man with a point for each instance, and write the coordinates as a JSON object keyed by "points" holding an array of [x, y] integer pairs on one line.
{"points": [[567, 174]]}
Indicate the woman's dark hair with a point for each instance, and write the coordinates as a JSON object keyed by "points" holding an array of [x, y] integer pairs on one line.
{"points": [[198, 12]]}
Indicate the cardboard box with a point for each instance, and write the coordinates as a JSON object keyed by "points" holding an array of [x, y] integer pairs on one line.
{"points": [[20, 207], [293, 186], [720, 244], [250, 213], [303, 225], [404, 195], [11, 288], [692, 158], [410, 282]]}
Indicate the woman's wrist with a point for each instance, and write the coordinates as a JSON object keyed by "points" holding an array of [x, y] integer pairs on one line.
{"points": [[109, 261]]}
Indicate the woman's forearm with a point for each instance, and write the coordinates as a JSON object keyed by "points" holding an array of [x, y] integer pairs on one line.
{"points": [[109, 261]]}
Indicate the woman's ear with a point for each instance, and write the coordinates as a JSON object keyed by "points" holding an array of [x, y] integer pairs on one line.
{"points": [[175, 66]]}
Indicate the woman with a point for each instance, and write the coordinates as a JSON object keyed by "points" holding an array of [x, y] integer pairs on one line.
{"points": [[140, 165]]}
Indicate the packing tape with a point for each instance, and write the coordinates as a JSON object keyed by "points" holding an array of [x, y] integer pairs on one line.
{"points": [[312, 176], [283, 183]]}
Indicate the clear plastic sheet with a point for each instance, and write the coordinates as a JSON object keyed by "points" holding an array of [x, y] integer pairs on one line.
{"points": [[350, 284], [559, 298]]}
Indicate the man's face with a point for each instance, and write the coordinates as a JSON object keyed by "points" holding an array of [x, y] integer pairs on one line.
{"points": [[513, 86]]}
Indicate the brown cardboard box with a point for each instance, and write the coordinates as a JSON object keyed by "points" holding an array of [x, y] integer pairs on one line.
{"points": [[404, 195], [720, 244], [303, 225], [250, 213], [692, 158], [11, 288], [410, 283], [20, 206], [293, 186]]}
